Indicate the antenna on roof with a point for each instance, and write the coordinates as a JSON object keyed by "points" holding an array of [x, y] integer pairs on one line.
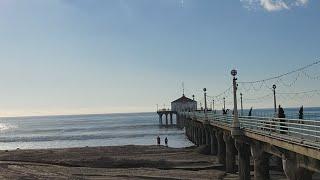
{"points": [[182, 88]]}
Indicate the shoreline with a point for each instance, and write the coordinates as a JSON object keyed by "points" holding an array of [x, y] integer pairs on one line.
{"points": [[112, 162]]}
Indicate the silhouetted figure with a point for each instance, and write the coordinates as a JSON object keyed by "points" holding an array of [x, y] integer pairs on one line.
{"points": [[301, 112], [281, 115], [250, 112], [166, 141], [225, 112], [158, 141], [300, 115]]}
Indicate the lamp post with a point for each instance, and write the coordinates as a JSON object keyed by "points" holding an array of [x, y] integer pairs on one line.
{"points": [[235, 131], [241, 103], [205, 105], [205, 99], [213, 105], [274, 99], [195, 107], [224, 103]]}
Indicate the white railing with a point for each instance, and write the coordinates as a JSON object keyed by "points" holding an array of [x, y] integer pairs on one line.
{"points": [[298, 130]]}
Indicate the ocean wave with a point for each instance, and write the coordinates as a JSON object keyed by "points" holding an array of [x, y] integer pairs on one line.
{"points": [[88, 129], [84, 137]]}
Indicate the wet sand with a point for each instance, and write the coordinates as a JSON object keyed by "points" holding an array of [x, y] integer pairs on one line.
{"points": [[121, 162]]}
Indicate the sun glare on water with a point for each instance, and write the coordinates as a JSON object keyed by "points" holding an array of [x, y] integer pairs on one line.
{"points": [[4, 127]]}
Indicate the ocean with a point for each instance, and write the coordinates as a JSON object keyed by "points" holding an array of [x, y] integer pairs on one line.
{"points": [[86, 130], [101, 130]]}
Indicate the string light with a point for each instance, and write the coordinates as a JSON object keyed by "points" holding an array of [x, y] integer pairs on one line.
{"points": [[227, 91], [311, 77], [303, 92], [287, 80], [283, 75], [258, 98]]}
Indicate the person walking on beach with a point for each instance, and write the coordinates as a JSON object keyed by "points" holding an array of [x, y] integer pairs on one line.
{"points": [[158, 140], [166, 141]]}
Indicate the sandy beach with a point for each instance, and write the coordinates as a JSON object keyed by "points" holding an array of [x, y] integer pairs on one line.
{"points": [[121, 162]]}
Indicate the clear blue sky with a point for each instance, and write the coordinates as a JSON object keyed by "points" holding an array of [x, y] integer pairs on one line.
{"points": [[94, 56]]}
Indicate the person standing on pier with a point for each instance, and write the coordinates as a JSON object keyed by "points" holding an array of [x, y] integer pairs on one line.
{"points": [[250, 112], [282, 117], [158, 140], [225, 112], [166, 141], [301, 113]]}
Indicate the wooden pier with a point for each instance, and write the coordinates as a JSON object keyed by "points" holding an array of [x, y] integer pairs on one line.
{"points": [[169, 118]]}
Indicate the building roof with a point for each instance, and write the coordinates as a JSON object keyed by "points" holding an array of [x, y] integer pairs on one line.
{"points": [[183, 99]]}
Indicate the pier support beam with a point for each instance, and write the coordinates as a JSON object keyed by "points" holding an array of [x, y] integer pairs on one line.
{"points": [[208, 141], [230, 152], [178, 121], [198, 136], [244, 160], [221, 147], [160, 119], [188, 131], [213, 142], [166, 119], [261, 162], [201, 135], [292, 168], [207, 127], [194, 133], [192, 130], [204, 137]]}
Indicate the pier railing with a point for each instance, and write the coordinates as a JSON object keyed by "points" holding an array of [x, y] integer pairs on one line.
{"points": [[302, 131], [290, 115]]}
